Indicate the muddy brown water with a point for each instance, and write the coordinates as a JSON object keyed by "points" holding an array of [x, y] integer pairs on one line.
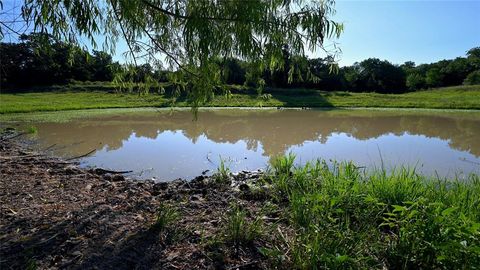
{"points": [[167, 145]]}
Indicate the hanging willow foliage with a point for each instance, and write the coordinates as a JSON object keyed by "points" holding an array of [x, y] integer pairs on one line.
{"points": [[189, 35]]}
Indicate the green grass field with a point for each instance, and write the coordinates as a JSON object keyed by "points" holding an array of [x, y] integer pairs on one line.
{"points": [[459, 97]]}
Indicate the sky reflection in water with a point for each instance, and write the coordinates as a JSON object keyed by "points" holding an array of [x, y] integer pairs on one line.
{"points": [[168, 146]]}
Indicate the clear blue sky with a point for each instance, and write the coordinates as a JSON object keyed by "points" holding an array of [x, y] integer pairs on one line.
{"points": [[399, 31], [422, 31]]}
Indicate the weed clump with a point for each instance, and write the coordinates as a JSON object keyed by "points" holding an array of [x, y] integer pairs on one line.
{"points": [[342, 217], [167, 215], [240, 231], [222, 175], [32, 130]]}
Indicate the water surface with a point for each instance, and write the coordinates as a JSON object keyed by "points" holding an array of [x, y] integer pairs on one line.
{"points": [[169, 145]]}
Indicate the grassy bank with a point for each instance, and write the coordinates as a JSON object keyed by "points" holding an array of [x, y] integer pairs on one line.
{"points": [[460, 97], [337, 217]]}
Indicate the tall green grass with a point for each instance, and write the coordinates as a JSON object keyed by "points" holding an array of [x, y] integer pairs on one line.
{"points": [[222, 175], [342, 217], [238, 229]]}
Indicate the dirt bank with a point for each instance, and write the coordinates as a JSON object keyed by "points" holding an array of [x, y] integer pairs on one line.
{"points": [[57, 215]]}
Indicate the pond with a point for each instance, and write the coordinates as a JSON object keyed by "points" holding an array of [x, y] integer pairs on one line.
{"points": [[166, 144]]}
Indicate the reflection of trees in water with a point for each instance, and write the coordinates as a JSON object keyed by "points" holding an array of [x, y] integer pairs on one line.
{"points": [[276, 131]]}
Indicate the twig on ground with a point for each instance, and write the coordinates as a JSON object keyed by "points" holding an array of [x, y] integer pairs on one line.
{"points": [[248, 264], [50, 147], [13, 137], [103, 171], [84, 155]]}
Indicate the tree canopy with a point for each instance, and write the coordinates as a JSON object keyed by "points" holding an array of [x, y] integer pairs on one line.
{"points": [[23, 64], [190, 35]]}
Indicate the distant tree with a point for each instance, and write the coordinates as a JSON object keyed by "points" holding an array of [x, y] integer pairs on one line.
{"points": [[408, 67], [474, 52], [101, 66], [324, 77], [352, 78], [161, 75], [472, 78], [456, 71], [142, 72], [434, 77], [45, 61], [232, 71], [279, 77], [473, 56], [80, 65], [415, 81], [381, 76], [15, 59]]}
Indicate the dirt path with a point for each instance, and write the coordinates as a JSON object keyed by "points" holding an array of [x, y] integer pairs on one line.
{"points": [[56, 215]]}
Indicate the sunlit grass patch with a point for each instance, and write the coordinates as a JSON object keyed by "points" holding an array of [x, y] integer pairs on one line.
{"points": [[343, 217], [459, 97]]}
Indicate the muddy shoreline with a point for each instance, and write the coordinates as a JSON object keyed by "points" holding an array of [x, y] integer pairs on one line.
{"points": [[57, 215]]}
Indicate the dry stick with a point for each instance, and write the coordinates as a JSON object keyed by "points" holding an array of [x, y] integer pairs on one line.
{"points": [[469, 161], [50, 147], [243, 265], [20, 157], [84, 155], [13, 137], [47, 240], [109, 171]]}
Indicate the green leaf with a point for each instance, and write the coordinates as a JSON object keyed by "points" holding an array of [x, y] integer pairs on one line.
{"points": [[399, 208], [448, 211]]}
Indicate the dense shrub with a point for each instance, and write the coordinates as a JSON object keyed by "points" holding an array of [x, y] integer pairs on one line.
{"points": [[472, 78]]}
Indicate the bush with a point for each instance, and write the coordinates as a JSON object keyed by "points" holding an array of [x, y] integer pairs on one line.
{"points": [[472, 78], [415, 81]]}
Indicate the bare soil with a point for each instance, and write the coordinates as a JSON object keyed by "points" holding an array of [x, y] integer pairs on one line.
{"points": [[56, 215]]}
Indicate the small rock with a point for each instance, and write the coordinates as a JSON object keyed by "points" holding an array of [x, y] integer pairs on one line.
{"points": [[99, 171], [178, 182], [88, 187], [195, 191], [70, 170], [199, 178], [244, 187], [160, 186], [77, 253], [56, 259], [118, 178], [107, 177]]}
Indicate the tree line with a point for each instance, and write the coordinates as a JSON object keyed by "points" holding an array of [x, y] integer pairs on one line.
{"points": [[38, 60]]}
